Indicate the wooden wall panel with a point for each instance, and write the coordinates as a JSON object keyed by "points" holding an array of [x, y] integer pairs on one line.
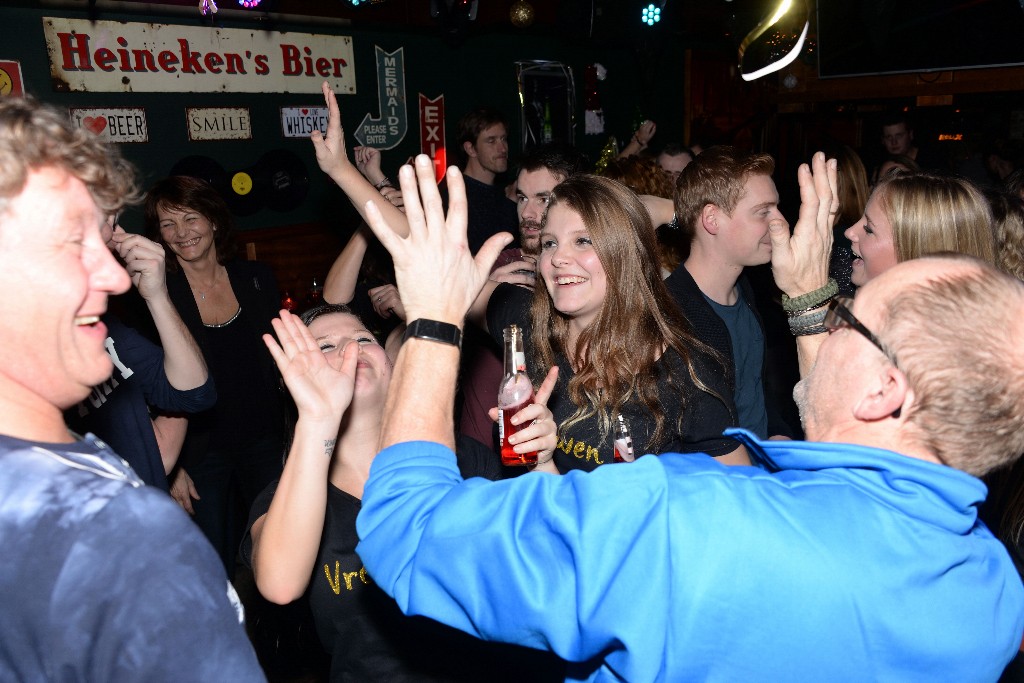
{"points": [[296, 253]]}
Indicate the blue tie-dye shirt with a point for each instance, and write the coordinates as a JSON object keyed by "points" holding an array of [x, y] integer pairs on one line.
{"points": [[104, 579]]}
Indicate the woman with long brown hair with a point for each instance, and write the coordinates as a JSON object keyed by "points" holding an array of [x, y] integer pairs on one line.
{"points": [[645, 177], [630, 368]]}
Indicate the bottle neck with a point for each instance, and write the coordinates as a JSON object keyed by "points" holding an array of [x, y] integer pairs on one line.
{"points": [[515, 358]]}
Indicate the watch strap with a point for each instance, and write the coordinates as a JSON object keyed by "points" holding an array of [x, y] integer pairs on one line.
{"points": [[434, 330]]}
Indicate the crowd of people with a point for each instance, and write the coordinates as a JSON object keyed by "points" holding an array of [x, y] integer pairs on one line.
{"points": [[679, 524]]}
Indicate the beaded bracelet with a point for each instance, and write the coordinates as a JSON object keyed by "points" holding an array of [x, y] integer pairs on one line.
{"points": [[382, 184], [802, 311], [810, 300], [806, 319]]}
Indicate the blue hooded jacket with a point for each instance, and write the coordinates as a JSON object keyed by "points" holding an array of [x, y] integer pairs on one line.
{"points": [[847, 564]]}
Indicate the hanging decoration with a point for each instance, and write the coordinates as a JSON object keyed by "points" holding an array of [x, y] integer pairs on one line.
{"points": [[608, 152], [249, 4], [207, 7], [593, 116], [521, 14]]}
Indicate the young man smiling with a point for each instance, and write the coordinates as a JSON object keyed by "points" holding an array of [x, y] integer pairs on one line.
{"points": [[724, 202]]}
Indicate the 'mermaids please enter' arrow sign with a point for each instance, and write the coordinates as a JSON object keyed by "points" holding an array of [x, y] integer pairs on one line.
{"points": [[387, 129]]}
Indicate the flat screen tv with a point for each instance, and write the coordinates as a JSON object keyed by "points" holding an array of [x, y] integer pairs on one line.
{"points": [[860, 37]]}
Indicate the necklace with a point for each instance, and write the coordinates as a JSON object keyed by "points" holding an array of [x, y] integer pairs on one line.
{"points": [[213, 285]]}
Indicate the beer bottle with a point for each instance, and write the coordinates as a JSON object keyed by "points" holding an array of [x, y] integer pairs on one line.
{"points": [[514, 393]]}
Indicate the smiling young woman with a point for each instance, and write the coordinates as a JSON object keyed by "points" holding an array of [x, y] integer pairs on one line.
{"points": [[910, 215], [623, 347]]}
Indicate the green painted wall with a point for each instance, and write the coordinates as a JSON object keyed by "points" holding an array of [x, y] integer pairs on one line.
{"points": [[481, 71]]}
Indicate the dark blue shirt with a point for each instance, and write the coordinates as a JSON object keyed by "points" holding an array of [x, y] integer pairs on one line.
{"points": [[118, 409], [748, 358]]}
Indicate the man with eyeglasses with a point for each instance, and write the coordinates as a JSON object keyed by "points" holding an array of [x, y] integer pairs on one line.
{"points": [[856, 556]]}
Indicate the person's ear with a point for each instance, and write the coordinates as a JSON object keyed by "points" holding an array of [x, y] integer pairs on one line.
{"points": [[709, 218], [470, 149], [887, 395]]}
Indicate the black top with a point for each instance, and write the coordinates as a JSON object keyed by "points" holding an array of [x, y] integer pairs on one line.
{"points": [[580, 446], [117, 410], [490, 211], [711, 330], [251, 403], [368, 637]]}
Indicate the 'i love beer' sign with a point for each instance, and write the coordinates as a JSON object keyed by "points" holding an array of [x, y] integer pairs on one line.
{"points": [[113, 124]]}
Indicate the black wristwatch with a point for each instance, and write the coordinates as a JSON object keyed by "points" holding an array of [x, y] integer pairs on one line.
{"points": [[433, 330]]}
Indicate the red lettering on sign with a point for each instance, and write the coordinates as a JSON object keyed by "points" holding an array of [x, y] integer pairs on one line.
{"points": [[432, 132], [79, 49], [189, 60]]}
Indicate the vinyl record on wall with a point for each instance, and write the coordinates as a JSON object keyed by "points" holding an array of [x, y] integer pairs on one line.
{"points": [[206, 169], [285, 178], [247, 191]]}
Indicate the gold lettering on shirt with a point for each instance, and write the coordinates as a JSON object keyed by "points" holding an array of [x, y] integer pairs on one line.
{"points": [[347, 577], [579, 449], [336, 583]]}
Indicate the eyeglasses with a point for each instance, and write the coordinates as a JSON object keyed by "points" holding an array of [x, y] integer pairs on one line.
{"points": [[839, 316]]}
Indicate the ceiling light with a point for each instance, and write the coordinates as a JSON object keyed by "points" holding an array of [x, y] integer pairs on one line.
{"points": [[650, 15]]}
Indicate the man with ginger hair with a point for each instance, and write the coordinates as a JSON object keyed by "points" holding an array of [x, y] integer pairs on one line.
{"points": [[104, 579]]}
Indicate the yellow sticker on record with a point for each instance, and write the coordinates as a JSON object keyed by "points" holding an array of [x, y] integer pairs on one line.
{"points": [[241, 183]]}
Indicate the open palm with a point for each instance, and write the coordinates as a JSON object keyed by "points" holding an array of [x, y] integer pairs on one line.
{"points": [[321, 389]]}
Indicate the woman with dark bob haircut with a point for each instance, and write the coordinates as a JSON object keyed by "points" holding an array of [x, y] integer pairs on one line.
{"points": [[235, 449]]}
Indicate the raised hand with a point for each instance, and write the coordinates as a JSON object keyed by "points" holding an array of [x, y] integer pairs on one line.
{"points": [[438, 278], [321, 386], [542, 434], [800, 261], [143, 259], [331, 154], [645, 132], [368, 163], [332, 157], [386, 302]]}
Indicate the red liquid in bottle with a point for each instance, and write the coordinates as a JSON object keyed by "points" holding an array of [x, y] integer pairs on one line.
{"points": [[506, 428]]}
